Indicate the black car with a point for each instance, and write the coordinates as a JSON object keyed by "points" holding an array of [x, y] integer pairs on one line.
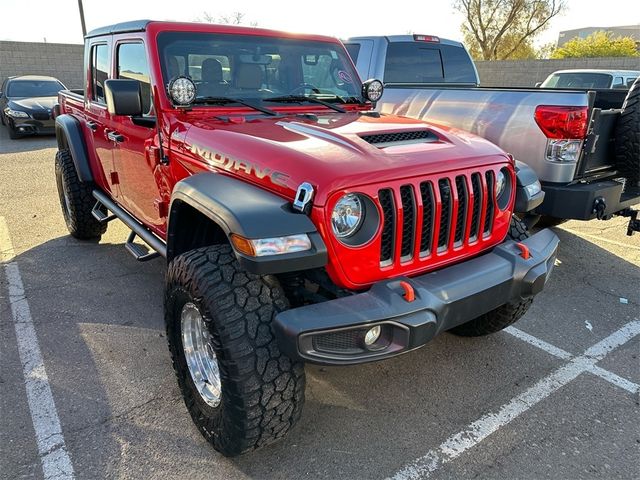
{"points": [[26, 104]]}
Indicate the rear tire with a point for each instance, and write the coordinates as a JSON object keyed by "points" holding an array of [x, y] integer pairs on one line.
{"points": [[259, 392], [627, 136], [507, 314], [76, 200]]}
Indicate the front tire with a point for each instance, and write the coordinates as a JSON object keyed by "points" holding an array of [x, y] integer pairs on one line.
{"points": [[505, 315], [259, 392]]}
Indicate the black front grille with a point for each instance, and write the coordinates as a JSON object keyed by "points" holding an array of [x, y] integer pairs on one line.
{"points": [[455, 225], [445, 213], [408, 220], [463, 201], [389, 224], [428, 202], [399, 137], [41, 115], [488, 219], [476, 187]]}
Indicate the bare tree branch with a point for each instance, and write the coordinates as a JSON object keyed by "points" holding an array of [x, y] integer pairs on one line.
{"points": [[497, 29]]}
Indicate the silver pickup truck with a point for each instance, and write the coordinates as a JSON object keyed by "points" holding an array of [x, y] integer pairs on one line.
{"points": [[583, 145]]}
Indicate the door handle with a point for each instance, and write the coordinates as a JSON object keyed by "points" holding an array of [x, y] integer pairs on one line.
{"points": [[92, 125], [115, 137]]}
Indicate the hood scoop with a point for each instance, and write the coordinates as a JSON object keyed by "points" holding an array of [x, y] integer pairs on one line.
{"points": [[382, 140]]}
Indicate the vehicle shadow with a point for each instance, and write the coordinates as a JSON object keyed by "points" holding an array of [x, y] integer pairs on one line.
{"points": [[24, 144], [99, 318]]}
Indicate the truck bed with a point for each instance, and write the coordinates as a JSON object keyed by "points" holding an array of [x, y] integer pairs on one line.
{"points": [[503, 115]]}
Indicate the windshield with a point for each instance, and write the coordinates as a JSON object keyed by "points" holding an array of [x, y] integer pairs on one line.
{"points": [[257, 67], [33, 88], [578, 80]]}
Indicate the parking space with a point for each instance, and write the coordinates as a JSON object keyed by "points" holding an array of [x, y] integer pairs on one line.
{"points": [[555, 397]]}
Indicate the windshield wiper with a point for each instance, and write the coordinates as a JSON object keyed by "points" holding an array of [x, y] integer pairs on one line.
{"points": [[304, 98], [225, 100]]}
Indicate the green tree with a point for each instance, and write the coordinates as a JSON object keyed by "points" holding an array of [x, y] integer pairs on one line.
{"points": [[505, 29], [598, 44]]}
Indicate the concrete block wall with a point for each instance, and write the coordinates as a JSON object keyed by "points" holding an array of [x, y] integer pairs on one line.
{"points": [[63, 61], [526, 73]]}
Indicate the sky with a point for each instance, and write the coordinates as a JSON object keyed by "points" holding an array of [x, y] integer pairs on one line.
{"points": [[58, 21]]}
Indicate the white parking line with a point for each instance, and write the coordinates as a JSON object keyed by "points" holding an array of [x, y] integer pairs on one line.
{"points": [[462, 441], [558, 352], [55, 460]]}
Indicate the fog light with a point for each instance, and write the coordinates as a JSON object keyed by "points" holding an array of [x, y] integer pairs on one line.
{"points": [[372, 335]]}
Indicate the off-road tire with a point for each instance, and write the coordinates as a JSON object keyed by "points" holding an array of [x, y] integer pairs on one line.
{"points": [[262, 389], [507, 314], [627, 136], [77, 211]]}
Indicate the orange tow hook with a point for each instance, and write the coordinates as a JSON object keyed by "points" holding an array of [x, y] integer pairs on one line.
{"points": [[524, 251], [409, 293]]}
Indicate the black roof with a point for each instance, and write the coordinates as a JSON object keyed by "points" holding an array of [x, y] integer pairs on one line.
{"points": [[124, 27]]}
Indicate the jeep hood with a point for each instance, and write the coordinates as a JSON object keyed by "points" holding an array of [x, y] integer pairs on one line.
{"points": [[329, 151]]}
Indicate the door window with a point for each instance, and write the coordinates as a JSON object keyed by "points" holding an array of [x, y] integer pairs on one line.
{"points": [[99, 72], [132, 64]]}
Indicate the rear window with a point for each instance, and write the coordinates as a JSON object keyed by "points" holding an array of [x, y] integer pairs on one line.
{"points": [[578, 80], [33, 88], [417, 62], [353, 49]]}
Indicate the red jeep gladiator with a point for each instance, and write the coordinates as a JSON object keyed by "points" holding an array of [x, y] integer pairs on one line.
{"points": [[298, 224]]}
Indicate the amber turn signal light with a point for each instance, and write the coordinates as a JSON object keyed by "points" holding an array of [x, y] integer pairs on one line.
{"points": [[243, 245]]}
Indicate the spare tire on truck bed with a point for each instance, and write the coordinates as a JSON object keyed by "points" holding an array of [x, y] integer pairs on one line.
{"points": [[627, 137]]}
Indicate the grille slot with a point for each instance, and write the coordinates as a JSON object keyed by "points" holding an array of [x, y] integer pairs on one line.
{"points": [[426, 240], [400, 137], [461, 189], [445, 213], [456, 215], [476, 186], [389, 219], [408, 221], [488, 219]]}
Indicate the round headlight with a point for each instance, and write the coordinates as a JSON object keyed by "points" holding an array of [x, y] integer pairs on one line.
{"points": [[501, 182], [182, 91], [347, 216], [372, 90]]}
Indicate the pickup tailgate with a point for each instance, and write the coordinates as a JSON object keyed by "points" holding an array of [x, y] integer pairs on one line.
{"points": [[503, 116]]}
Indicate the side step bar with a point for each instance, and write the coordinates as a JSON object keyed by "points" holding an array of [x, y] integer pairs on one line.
{"points": [[137, 229]]}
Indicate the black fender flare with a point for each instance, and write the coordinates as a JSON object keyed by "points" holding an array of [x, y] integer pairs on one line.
{"points": [[69, 136], [244, 209], [529, 194]]}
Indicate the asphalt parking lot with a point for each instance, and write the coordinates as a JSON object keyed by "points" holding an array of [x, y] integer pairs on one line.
{"points": [[555, 397]]}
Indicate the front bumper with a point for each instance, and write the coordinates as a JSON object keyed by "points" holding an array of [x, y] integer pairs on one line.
{"points": [[578, 201], [29, 126], [332, 332]]}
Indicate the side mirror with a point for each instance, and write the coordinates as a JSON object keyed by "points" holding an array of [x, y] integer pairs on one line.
{"points": [[538, 84], [123, 97], [372, 90], [1, 94]]}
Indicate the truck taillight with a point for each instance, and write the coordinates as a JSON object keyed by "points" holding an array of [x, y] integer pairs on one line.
{"points": [[565, 127], [562, 122], [426, 38]]}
